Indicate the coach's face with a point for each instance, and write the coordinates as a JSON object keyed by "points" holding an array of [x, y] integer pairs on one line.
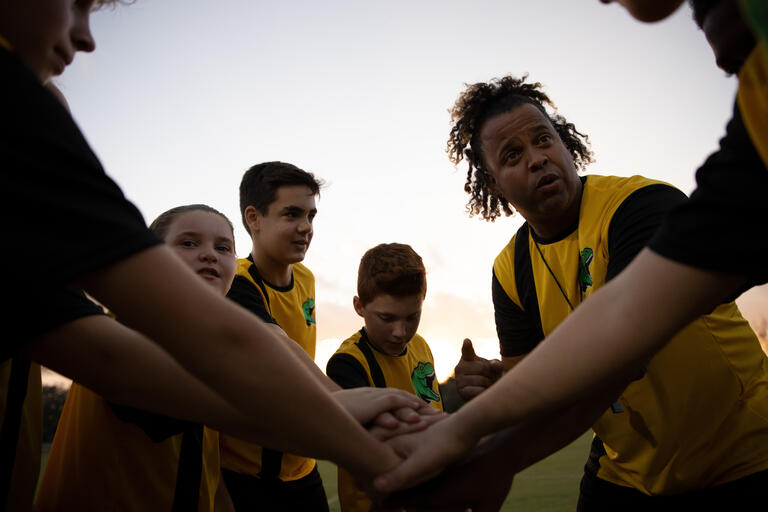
{"points": [[531, 167]]}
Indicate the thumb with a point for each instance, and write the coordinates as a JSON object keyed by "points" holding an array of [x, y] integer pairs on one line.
{"points": [[467, 351]]}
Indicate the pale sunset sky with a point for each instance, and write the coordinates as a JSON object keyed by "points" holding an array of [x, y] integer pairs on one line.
{"points": [[182, 96]]}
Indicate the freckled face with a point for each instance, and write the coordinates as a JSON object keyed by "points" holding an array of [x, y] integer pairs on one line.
{"points": [[204, 240], [46, 34], [391, 322], [531, 167]]}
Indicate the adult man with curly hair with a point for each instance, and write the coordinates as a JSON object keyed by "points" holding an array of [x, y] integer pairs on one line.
{"points": [[685, 431]]}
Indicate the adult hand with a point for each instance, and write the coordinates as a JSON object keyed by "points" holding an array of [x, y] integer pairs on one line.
{"points": [[475, 374], [477, 482], [426, 453]]}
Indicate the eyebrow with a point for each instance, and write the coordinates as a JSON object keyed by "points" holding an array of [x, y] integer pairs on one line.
{"points": [[296, 209], [197, 234]]}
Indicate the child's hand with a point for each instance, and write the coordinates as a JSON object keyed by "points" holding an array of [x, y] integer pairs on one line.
{"points": [[384, 430], [386, 407]]}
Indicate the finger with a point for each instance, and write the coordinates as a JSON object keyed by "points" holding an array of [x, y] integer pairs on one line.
{"points": [[467, 351], [469, 392], [476, 380], [497, 367], [386, 420], [427, 410], [407, 415]]}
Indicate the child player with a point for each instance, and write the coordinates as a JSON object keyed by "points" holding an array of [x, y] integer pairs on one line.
{"points": [[200, 358], [391, 285], [277, 202], [106, 456]]}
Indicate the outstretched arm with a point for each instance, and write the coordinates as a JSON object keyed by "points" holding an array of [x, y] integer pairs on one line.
{"points": [[601, 343], [237, 356]]}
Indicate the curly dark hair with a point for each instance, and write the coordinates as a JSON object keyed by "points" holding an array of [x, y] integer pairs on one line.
{"points": [[482, 101]]}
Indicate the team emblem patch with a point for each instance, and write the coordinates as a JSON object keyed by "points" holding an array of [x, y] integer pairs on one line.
{"points": [[423, 376], [309, 310], [585, 259]]}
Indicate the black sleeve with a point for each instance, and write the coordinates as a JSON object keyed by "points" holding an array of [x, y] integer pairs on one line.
{"points": [[518, 332], [347, 372], [722, 226], [39, 310], [54, 186], [245, 293], [635, 222]]}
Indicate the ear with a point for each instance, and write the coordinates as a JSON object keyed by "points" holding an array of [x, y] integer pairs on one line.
{"points": [[493, 187], [357, 305], [252, 218]]}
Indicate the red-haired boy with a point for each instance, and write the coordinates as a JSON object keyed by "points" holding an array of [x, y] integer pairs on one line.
{"points": [[386, 352]]}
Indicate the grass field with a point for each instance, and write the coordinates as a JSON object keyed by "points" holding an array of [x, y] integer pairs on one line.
{"points": [[550, 485]]}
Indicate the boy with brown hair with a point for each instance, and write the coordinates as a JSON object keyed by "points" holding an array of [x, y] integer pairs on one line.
{"points": [[207, 360], [386, 352]]}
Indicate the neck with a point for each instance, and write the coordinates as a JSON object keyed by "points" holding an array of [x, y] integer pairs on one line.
{"points": [[552, 227], [272, 271]]}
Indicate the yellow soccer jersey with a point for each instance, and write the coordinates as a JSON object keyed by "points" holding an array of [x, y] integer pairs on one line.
{"points": [[291, 307], [698, 417], [21, 420], [357, 363], [100, 463]]}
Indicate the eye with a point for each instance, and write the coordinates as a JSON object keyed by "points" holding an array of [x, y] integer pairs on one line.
{"points": [[511, 156], [187, 243], [224, 248], [544, 138]]}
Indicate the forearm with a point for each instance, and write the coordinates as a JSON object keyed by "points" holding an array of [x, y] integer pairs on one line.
{"points": [[308, 363], [604, 340], [235, 354]]}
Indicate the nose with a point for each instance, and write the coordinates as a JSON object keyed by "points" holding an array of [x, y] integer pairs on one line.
{"points": [[208, 255], [400, 330], [538, 160], [305, 226], [81, 36]]}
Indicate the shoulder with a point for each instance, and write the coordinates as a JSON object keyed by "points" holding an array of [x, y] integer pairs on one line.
{"points": [[418, 343], [618, 186], [302, 273], [244, 268], [349, 346]]}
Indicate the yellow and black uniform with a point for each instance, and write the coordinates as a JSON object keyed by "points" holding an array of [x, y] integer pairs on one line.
{"points": [[698, 416], [106, 457], [357, 363], [258, 477]]}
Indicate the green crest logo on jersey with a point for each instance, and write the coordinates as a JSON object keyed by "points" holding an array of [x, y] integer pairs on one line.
{"points": [[585, 278], [309, 310], [423, 376]]}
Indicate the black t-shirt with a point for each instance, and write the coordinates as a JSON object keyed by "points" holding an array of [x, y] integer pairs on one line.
{"points": [[54, 190], [723, 226]]}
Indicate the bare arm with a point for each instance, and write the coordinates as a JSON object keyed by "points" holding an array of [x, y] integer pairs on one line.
{"points": [[235, 354], [599, 346]]}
